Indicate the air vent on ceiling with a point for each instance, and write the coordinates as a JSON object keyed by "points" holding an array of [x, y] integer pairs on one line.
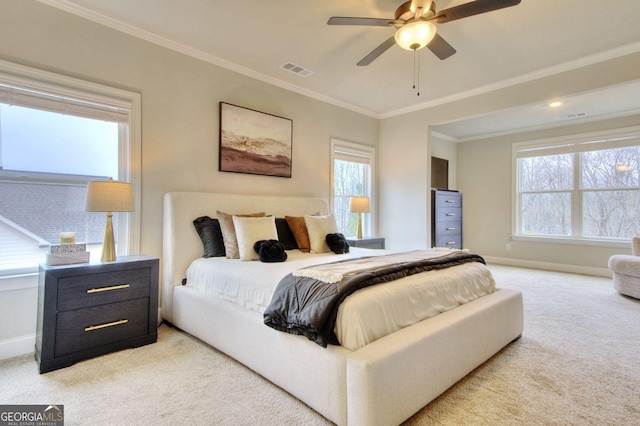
{"points": [[571, 116], [296, 69]]}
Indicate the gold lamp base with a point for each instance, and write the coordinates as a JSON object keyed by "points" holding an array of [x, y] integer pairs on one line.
{"points": [[108, 246], [359, 231]]}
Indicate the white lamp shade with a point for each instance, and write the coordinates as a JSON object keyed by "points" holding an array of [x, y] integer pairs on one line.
{"points": [[109, 196], [415, 35], [359, 205]]}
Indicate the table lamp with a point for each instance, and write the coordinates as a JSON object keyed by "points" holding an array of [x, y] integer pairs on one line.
{"points": [[359, 205], [109, 196]]}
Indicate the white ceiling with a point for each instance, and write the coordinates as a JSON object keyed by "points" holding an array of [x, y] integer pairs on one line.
{"points": [[495, 49]]}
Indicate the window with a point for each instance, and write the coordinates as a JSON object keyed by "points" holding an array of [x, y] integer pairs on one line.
{"points": [[56, 134], [352, 174], [586, 188]]}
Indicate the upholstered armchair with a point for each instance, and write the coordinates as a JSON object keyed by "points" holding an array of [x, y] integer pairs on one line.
{"points": [[626, 270]]}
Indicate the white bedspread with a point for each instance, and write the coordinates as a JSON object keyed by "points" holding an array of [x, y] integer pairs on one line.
{"points": [[364, 316]]}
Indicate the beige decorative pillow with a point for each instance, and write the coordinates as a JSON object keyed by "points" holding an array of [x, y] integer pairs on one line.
{"points": [[229, 232], [318, 227], [299, 230], [250, 230]]}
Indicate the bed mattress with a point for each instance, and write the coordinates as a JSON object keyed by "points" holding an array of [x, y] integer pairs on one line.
{"points": [[363, 317]]}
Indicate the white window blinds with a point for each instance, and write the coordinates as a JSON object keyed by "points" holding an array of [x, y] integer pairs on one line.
{"points": [[353, 155], [593, 143], [98, 109]]}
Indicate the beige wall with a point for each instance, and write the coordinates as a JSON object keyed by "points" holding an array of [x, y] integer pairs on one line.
{"points": [[403, 176], [484, 170], [180, 97], [487, 201]]}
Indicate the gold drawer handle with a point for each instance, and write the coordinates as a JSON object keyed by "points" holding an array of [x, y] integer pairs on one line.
{"points": [[450, 243], [450, 201], [451, 229], [113, 287], [451, 214], [109, 324]]}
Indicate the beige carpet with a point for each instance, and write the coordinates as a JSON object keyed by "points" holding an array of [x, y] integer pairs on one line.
{"points": [[577, 363]]}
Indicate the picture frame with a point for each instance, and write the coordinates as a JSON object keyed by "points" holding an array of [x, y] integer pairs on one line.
{"points": [[254, 142]]}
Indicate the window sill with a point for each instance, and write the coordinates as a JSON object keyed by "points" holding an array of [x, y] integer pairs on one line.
{"points": [[18, 279], [592, 242]]}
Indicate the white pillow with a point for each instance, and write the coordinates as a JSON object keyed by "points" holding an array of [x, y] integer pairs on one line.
{"points": [[318, 227], [250, 230]]}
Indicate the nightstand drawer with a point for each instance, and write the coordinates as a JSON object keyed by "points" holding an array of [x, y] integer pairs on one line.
{"points": [[367, 242], [97, 289], [100, 325]]}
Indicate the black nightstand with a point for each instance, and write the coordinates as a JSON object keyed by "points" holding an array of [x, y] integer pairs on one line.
{"points": [[367, 242], [87, 310]]}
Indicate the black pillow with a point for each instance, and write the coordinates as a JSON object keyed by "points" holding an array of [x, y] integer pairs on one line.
{"points": [[270, 251], [209, 231], [337, 243], [285, 235]]}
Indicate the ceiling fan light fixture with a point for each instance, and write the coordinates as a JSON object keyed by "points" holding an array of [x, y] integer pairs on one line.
{"points": [[415, 35]]}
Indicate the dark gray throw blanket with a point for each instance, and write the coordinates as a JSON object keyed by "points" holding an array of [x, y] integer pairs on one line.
{"points": [[309, 307]]}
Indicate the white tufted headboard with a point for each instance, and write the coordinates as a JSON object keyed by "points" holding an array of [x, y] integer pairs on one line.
{"points": [[181, 243]]}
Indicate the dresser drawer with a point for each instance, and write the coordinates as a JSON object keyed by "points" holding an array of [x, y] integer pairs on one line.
{"points": [[450, 241], [448, 215], [448, 228], [100, 325], [447, 200], [97, 289]]}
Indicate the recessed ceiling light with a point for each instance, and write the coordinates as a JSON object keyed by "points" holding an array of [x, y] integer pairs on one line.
{"points": [[555, 104]]}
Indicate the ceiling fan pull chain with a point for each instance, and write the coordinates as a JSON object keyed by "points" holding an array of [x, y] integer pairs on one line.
{"points": [[416, 71], [414, 68]]}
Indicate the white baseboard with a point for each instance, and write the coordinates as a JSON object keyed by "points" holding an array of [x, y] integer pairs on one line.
{"points": [[573, 269], [17, 346]]}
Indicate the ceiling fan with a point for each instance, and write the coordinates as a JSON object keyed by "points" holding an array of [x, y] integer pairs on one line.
{"points": [[415, 26]]}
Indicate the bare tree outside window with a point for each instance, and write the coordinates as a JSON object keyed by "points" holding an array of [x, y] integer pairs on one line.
{"points": [[349, 181], [353, 175], [578, 192], [611, 196], [546, 183]]}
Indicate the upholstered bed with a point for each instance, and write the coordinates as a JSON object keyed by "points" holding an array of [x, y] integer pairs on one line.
{"points": [[381, 383]]}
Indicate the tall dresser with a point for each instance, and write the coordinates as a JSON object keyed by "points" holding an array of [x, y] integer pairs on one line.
{"points": [[446, 218]]}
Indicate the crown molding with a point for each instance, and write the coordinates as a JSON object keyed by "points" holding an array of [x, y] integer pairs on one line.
{"points": [[589, 119], [110, 22], [443, 136], [195, 53], [545, 72]]}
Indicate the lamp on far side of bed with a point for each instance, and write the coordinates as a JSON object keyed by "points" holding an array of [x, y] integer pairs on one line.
{"points": [[359, 205], [109, 196]]}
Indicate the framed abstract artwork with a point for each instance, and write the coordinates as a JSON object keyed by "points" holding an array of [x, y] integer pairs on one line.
{"points": [[254, 142]]}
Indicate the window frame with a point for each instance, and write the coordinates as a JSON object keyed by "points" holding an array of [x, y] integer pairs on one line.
{"points": [[575, 145], [129, 152], [359, 150]]}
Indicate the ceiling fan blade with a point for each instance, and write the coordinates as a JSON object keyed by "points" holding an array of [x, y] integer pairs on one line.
{"points": [[440, 47], [369, 22], [472, 8], [377, 52]]}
